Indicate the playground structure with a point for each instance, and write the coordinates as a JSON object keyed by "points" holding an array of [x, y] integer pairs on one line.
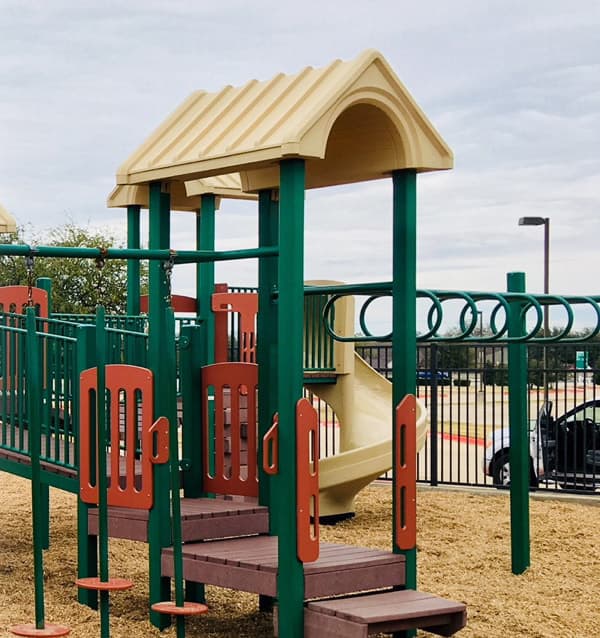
{"points": [[91, 405]]}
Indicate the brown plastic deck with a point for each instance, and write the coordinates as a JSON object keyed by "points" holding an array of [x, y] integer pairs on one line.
{"points": [[386, 612], [250, 564], [201, 518]]}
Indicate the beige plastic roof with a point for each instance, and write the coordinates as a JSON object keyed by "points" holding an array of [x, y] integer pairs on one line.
{"points": [[7, 221], [352, 121], [184, 197]]}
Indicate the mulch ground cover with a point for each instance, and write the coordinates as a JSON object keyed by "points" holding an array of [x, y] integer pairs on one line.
{"points": [[464, 554]]}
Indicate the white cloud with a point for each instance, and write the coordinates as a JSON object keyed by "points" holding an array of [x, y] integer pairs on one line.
{"points": [[511, 86]]}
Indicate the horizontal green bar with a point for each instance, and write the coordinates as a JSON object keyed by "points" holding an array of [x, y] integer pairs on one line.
{"points": [[178, 256]]}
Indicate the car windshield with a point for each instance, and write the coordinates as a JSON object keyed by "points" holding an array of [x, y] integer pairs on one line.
{"points": [[591, 412]]}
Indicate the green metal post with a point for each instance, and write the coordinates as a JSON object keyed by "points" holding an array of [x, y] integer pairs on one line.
{"points": [[205, 273], [101, 447], [133, 265], [159, 528], [268, 229], [266, 354], [87, 545], [519, 436], [34, 391], [45, 283], [404, 329], [290, 578], [191, 355]]}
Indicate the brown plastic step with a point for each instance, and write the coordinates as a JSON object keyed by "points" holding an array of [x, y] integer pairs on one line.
{"points": [[251, 564], [201, 518], [384, 612]]}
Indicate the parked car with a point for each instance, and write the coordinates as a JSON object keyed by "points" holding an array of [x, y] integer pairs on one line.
{"points": [[426, 377], [565, 449]]}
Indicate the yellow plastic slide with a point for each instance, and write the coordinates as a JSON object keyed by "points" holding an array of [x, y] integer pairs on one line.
{"points": [[362, 401]]}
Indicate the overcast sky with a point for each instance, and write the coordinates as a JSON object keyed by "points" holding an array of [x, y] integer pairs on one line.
{"points": [[512, 86]]}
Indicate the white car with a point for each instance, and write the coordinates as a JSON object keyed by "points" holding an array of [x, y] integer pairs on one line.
{"points": [[566, 449]]}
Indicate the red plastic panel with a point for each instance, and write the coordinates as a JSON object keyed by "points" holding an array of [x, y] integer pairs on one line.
{"points": [[405, 472], [16, 298], [307, 446], [129, 411], [234, 387], [179, 303], [246, 305]]}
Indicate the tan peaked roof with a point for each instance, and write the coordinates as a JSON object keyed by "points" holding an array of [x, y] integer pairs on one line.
{"points": [[184, 197], [7, 221], [352, 121]]}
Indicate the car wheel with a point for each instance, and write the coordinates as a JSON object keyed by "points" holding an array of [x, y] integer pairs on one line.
{"points": [[501, 469]]}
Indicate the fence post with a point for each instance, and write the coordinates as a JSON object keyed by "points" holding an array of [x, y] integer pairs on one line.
{"points": [[433, 416], [519, 434]]}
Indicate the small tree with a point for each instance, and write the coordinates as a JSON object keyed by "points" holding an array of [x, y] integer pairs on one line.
{"points": [[78, 284]]}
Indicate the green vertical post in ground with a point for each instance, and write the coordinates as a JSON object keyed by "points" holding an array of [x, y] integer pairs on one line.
{"points": [[205, 273], [290, 578], [404, 326], [87, 546], [101, 447], [133, 265], [519, 435], [34, 391], [159, 528], [45, 283], [268, 230]]}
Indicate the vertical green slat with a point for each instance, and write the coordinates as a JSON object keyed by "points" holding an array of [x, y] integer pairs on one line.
{"points": [[205, 273], [404, 329], [290, 578], [87, 546], [34, 392], [519, 436], [190, 357], [266, 355], [133, 265], [159, 523]]}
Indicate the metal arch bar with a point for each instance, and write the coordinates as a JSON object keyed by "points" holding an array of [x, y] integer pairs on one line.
{"points": [[439, 314], [363, 311], [160, 254]]}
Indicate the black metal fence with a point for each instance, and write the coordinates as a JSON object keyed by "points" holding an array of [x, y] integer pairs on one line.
{"points": [[465, 388]]}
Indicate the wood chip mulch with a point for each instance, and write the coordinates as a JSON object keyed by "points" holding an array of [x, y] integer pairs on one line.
{"points": [[464, 554]]}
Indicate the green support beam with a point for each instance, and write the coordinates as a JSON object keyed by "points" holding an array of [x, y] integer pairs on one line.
{"points": [[268, 231], [133, 265], [159, 528], [404, 328], [290, 578], [518, 431], [205, 273]]}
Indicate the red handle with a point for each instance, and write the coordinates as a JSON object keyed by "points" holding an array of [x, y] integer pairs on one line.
{"points": [[405, 472], [160, 427], [307, 494], [271, 438]]}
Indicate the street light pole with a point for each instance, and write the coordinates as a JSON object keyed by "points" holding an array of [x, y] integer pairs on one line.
{"points": [[545, 222]]}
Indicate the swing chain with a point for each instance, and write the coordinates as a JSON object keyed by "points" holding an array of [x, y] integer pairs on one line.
{"points": [[29, 265], [168, 268]]}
